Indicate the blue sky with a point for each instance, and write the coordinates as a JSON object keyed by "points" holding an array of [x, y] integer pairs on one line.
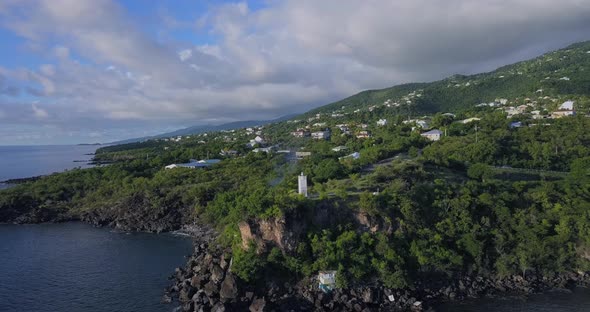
{"points": [[74, 71]]}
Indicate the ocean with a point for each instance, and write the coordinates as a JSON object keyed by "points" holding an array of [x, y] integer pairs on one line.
{"points": [[77, 267], [576, 300], [30, 161]]}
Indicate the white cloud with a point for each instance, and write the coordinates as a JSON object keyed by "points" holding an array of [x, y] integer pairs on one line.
{"points": [[285, 58], [185, 54], [47, 69], [38, 112]]}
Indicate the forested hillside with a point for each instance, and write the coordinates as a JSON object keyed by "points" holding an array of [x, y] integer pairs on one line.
{"points": [[563, 72]]}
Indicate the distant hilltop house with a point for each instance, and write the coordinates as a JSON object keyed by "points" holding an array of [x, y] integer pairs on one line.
{"points": [[344, 128], [468, 120], [432, 135], [193, 164], [536, 114], [419, 122], [228, 153], [382, 122], [339, 148], [363, 134], [321, 135], [264, 149], [565, 109], [301, 155], [257, 140], [301, 133], [355, 155]]}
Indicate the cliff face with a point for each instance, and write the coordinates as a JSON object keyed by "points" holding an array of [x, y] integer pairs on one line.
{"points": [[286, 231], [274, 232]]}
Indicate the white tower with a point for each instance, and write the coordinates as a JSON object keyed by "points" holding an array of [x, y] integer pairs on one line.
{"points": [[303, 185]]}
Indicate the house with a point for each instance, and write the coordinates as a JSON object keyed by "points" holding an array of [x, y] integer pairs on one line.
{"points": [[263, 149], [363, 134], [301, 133], [515, 124], [432, 135], [468, 120], [419, 122], [258, 139], [522, 109], [355, 155], [536, 114], [228, 152], [422, 124], [567, 105], [565, 109], [344, 128], [511, 111], [327, 281], [321, 135], [339, 148], [301, 155], [382, 122], [195, 164]]}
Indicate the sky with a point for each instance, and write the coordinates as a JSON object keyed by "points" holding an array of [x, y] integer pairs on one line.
{"points": [[84, 71]]}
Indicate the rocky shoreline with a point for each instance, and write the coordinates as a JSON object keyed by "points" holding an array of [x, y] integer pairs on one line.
{"points": [[206, 283]]}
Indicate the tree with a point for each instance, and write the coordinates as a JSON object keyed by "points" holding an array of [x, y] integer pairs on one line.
{"points": [[480, 171]]}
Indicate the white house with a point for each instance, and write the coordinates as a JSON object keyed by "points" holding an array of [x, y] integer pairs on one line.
{"points": [[355, 155], [195, 164], [301, 155], [432, 135], [340, 148], [468, 120], [382, 122], [321, 135], [363, 135], [565, 109]]}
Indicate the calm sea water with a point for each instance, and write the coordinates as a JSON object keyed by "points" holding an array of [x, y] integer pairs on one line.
{"points": [[30, 161], [577, 300], [76, 267]]}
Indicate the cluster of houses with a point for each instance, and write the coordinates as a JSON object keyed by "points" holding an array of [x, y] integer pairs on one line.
{"points": [[532, 108]]}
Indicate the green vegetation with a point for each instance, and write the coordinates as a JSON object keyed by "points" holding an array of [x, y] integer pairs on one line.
{"points": [[485, 199]]}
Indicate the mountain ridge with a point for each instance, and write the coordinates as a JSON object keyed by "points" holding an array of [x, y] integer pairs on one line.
{"points": [[207, 128], [559, 72]]}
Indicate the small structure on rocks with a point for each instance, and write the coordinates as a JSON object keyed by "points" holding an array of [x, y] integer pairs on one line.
{"points": [[327, 281]]}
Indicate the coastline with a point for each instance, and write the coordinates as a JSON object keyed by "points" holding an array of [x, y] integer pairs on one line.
{"points": [[206, 282]]}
